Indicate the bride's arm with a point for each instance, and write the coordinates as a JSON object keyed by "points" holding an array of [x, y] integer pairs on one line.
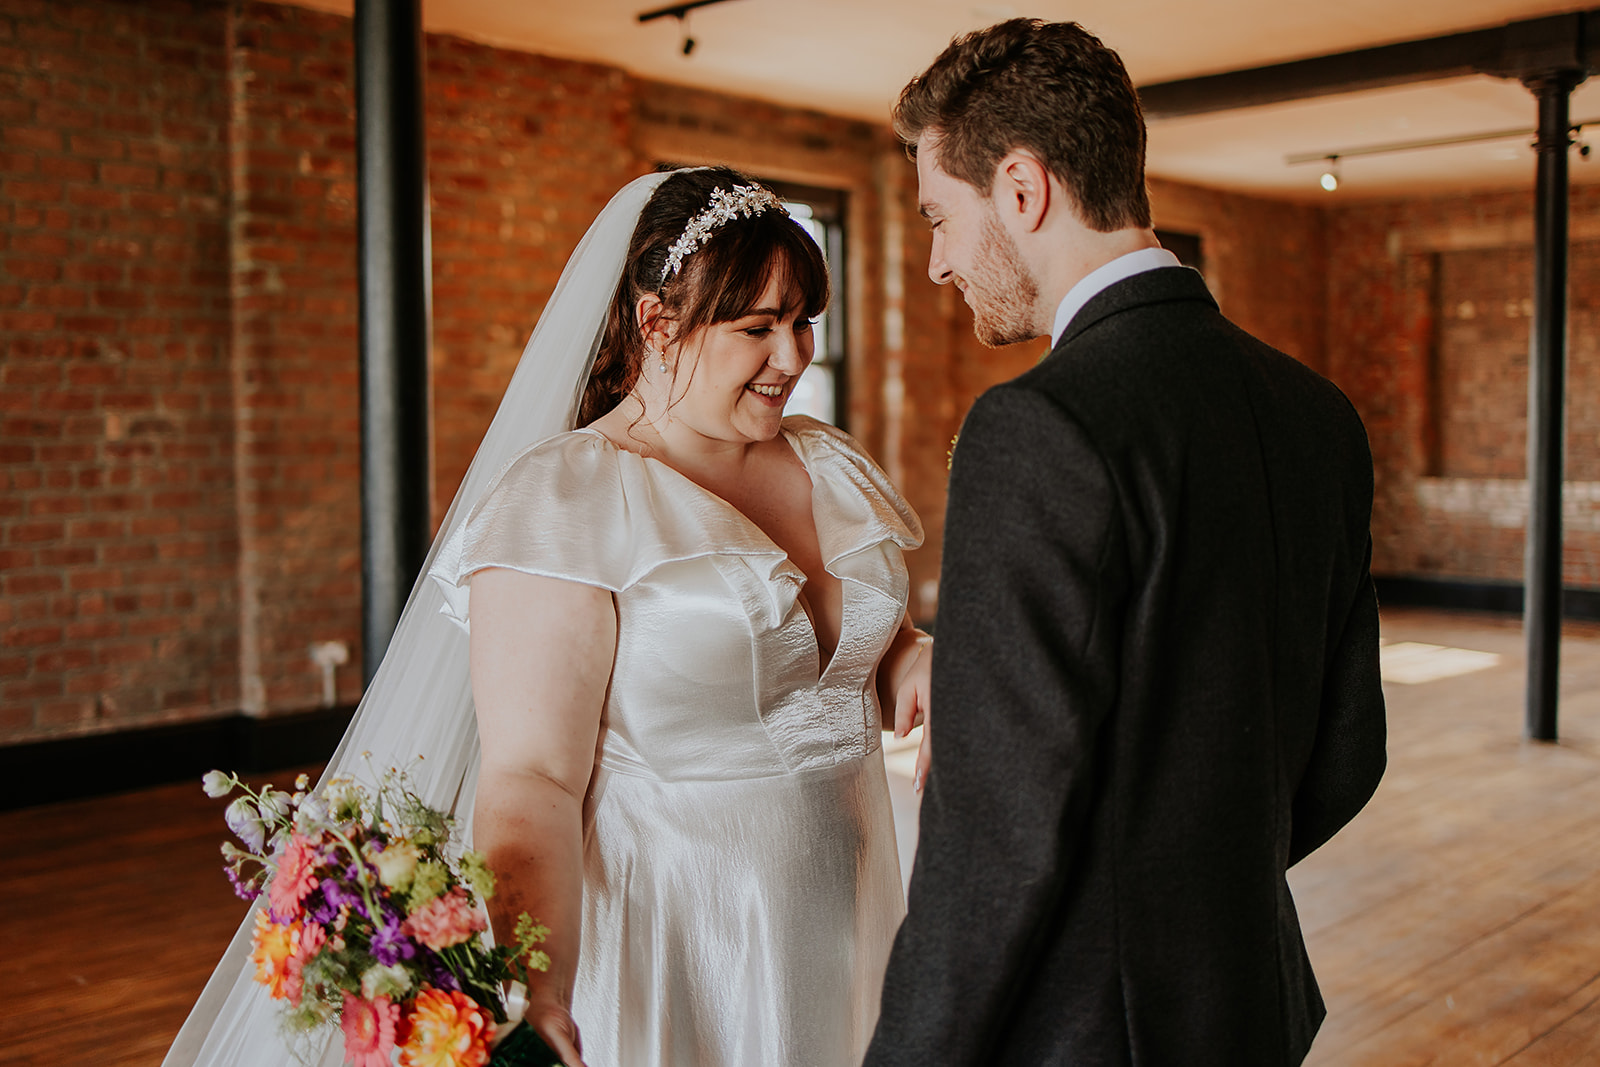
{"points": [[904, 680], [542, 651]]}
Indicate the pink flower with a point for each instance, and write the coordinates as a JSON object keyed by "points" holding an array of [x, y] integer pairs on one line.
{"points": [[368, 1030], [312, 938], [295, 877], [445, 921]]}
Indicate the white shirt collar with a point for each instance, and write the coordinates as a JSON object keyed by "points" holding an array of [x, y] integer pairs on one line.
{"points": [[1103, 277]]}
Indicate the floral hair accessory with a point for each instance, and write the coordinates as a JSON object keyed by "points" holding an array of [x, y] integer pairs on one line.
{"points": [[746, 201]]}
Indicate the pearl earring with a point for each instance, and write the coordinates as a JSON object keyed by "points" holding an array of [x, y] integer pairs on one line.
{"points": [[658, 354]]}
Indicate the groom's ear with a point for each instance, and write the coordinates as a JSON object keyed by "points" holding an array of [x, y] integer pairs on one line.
{"points": [[1021, 191]]}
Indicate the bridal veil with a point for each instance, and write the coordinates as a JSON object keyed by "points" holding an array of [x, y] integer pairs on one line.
{"points": [[420, 700]]}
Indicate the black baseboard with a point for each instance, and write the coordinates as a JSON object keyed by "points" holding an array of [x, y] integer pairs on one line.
{"points": [[43, 772], [1466, 595]]}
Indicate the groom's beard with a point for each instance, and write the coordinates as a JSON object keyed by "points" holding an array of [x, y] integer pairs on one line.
{"points": [[1001, 290]]}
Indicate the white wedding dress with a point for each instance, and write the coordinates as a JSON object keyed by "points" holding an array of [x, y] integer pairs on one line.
{"points": [[742, 885]]}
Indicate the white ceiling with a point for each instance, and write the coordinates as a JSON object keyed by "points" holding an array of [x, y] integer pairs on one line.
{"points": [[850, 57]]}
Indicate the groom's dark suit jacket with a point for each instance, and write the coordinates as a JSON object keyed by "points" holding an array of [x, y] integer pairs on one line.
{"points": [[1155, 688]]}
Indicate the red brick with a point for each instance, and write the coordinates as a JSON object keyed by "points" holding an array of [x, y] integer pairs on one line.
{"points": [[39, 192], [88, 146], [93, 631], [31, 636], [32, 584], [42, 244], [30, 137], [17, 558], [33, 532], [32, 689], [70, 556], [63, 660], [66, 168]]}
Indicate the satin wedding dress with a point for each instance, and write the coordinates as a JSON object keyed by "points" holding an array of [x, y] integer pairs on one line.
{"points": [[741, 885]]}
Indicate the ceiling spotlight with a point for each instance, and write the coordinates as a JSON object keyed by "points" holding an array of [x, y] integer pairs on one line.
{"points": [[681, 13], [1330, 177]]}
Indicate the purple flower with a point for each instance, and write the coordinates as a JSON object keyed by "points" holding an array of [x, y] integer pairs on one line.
{"points": [[243, 887], [322, 906], [439, 975], [389, 945]]}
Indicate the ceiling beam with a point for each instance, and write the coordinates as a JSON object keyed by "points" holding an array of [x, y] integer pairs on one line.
{"points": [[1515, 50]]}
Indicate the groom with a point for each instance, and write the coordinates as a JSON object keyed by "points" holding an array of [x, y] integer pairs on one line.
{"points": [[1155, 686]]}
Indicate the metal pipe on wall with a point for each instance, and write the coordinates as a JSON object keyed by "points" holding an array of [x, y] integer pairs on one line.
{"points": [[1541, 619], [395, 304]]}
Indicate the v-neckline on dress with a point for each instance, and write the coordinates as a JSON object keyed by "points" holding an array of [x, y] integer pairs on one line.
{"points": [[824, 662]]}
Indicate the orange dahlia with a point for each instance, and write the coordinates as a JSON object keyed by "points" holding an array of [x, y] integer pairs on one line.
{"points": [[445, 1029], [275, 945]]}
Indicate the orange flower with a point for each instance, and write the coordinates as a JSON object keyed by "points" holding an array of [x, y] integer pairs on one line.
{"points": [[274, 947], [445, 1029]]}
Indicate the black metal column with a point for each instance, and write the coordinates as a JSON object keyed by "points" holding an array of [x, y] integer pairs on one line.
{"points": [[393, 226], [1547, 356]]}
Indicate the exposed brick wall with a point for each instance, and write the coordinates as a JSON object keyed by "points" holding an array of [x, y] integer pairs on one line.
{"points": [[1265, 262], [1483, 311], [258, 214], [117, 536], [178, 323], [523, 152], [1444, 392], [295, 349]]}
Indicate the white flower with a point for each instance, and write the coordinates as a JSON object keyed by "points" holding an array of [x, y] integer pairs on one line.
{"points": [[217, 784], [312, 815], [344, 799], [275, 802], [381, 981], [245, 821], [396, 865]]}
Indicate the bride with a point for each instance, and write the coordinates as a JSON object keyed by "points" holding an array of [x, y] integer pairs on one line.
{"points": [[687, 627]]}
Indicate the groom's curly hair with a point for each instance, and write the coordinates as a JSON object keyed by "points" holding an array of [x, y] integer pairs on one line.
{"points": [[718, 282], [1050, 87]]}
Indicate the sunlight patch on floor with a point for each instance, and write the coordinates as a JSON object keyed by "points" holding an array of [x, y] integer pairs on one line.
{"points": [[900, 753], [1412, 662]]}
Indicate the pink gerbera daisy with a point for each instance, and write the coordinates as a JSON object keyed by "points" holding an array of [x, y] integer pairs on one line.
{"points": [[295, 877], [368, 1030], [312, 938]]}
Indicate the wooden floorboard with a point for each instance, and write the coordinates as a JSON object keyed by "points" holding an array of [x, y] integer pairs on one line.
{"points": [[1456, 921]]}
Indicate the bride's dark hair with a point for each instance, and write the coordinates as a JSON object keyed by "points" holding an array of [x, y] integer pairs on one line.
{"points": [[719, 282]]}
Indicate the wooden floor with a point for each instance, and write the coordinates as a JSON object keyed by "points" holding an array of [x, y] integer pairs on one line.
{"points": [[1456, 921]]}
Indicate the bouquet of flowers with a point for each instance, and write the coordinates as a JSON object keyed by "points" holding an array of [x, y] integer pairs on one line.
{"points": [[374, 924]]}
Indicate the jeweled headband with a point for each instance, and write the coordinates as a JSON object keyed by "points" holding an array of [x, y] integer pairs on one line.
{"points": [[745, 201]]}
